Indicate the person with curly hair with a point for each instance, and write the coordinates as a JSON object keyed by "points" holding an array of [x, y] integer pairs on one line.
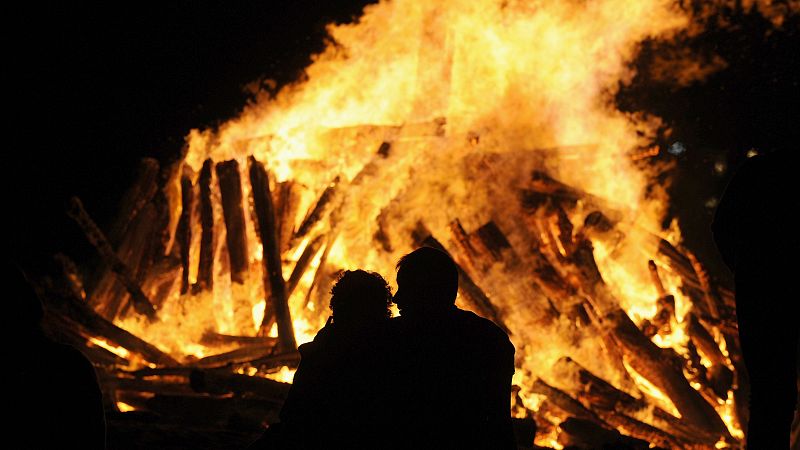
{"points": [[338, 398]]}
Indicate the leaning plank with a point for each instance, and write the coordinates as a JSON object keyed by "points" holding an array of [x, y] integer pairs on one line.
{"points": [[239, 355], [224, 382], [141, 303], [134, 199], [273, 276], [213, 338], [318, 211], [60, 301], [563, 400], [185, 227], [230, 186], [205, 268], [302, 264]]}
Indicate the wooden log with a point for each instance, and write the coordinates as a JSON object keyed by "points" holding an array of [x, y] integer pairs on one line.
{"points": [[564, 401], [601, 396], [60, 300], [645, 357], [138, 251], [461, 241], [289, 359], [542, 188], [65, 330], [135, 198], [648, 360], [71, 274], [323, 205], [212, 338], [185, 227], [302, 264], [236, 356], [273, 276], [287, 206], [641, 430], [489, 238], [205, 268], [712, 302], [581, 433], [224, 382], [154, 385], [321, 267], [141, 303], [230, 185]]}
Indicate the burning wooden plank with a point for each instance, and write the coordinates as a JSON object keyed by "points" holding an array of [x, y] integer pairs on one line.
{"points": [[184, 232], [135, 198], [239, 355], [273, 277], [59, 299], [287, 204], [212, 338], [323, 205], [141, 303], [302, 264], [230, 186], [205, 269], [223, 382]]}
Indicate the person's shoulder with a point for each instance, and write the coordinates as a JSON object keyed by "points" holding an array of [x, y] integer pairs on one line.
{"points": [[483, 325]]}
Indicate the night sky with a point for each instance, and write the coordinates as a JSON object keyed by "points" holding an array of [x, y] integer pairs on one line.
{"points": [[97, 88]]}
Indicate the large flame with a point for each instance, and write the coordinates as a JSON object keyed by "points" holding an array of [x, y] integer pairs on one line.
{"points": [[453, 85]]}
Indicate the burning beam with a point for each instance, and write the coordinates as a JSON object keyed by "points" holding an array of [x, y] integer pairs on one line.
{"points": [[141, 303]]}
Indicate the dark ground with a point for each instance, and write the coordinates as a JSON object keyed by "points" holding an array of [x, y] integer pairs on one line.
{"points": [[101, 87]]}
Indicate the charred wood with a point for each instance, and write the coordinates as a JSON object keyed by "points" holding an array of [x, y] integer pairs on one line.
{"points": [[582, 433], [59, 299], [224, 382], [230, 185], [648, 360], [273, 277], [141, 303], [212, 338], [302, 264], [134, 199], [321, 268], [205, 268], [287, 205], [185, 227], [239, 355], [323, 205], [564, 402], [641, 430]]}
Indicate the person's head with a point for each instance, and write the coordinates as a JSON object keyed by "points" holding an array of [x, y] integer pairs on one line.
{"points": [[359, 298], [427, 280]]}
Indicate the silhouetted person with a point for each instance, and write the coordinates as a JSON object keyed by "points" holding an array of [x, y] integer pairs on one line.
{"points": [[338, 396], [453, 368], [754, 230], [57, 400]]}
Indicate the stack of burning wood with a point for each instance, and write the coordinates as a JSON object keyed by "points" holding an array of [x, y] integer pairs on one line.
{"points": [[142, 262]]}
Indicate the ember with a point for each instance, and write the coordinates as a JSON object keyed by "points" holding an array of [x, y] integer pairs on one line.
{"points": [[486, 129]]}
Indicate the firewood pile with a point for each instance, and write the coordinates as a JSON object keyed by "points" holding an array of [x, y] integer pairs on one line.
{"points": [[533, 273]]}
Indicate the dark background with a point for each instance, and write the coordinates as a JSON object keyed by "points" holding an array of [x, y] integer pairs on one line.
{"points": [[97, 88]]}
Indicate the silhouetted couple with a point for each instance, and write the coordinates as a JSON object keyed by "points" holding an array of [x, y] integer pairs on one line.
{"points": [[436, 377]]}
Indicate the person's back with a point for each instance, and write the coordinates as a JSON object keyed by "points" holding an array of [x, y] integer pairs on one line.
{"points": [[56, 399], [453, 368], [338, 395], [757, 237]]}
